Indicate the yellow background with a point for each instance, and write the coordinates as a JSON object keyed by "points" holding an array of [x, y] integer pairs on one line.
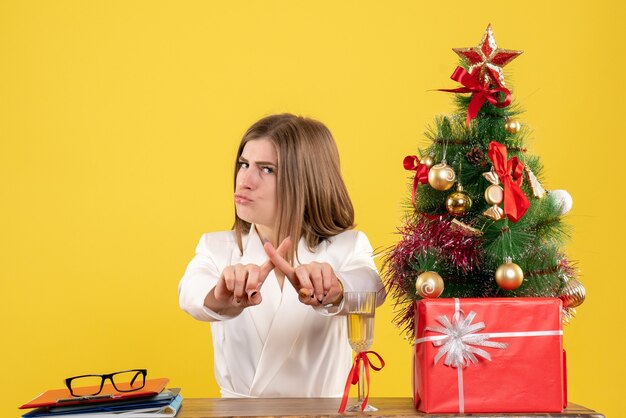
{"points": [[119, 121]]}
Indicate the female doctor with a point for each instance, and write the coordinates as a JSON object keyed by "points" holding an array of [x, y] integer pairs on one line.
{"points": [[273, 286]]}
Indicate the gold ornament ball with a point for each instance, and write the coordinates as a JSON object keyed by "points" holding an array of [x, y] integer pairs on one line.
{"points": [[441, 177], [428, 161], [509, 276], [512, 126], [429, 284], [494, 194], [573, 294], [458, 203]]}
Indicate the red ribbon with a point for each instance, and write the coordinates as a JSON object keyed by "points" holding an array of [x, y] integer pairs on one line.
{"points": [[480, 92], [510, 173], [412, 163], [355, 374]]}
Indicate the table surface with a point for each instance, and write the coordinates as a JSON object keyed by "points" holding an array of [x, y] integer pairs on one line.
{"points": [[327, 407]]}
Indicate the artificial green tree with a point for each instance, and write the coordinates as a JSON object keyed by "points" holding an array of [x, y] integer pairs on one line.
{"points": [[479, 223]]}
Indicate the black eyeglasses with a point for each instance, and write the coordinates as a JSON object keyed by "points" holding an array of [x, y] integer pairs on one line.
{"points": [[92, 384]]}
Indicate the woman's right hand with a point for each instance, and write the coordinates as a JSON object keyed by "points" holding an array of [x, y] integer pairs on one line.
{"points": [[239, 285]]}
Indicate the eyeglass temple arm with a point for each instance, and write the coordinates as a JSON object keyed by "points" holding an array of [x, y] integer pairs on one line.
{"points": [[135, 377]]}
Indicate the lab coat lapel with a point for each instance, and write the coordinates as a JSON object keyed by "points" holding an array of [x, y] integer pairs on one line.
{"points": [[288, 322], [261, 315]]}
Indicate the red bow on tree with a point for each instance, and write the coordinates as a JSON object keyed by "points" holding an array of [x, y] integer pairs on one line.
{"points": [[412, 163], [355, 374], [510, 174], [481, 93]]}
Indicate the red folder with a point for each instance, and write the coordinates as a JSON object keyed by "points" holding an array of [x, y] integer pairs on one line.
{"points": [[62, 397]]}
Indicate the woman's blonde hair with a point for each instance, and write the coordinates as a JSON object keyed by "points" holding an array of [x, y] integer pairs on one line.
{"points": [[313, 200]]}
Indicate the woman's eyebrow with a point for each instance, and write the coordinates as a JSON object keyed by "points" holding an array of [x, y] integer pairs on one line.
{"points": [[245, 160], [265, 163]]}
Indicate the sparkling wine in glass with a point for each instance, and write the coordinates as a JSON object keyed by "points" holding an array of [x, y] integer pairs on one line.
{"points": [[361, 308]]}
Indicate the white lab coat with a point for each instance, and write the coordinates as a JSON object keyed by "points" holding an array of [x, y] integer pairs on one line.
{"points": [[279, 348]]}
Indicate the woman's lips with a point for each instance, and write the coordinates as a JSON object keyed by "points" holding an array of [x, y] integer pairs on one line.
{"points": [[242, 199]]}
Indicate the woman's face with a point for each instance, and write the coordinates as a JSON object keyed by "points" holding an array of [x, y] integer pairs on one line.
{"points": [[255, 192]]}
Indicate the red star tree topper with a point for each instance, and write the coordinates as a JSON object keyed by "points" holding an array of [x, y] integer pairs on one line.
{"points": [[486, 60]]}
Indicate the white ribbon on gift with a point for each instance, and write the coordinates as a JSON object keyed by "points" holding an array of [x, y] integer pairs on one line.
{"points": [[460, 338]]}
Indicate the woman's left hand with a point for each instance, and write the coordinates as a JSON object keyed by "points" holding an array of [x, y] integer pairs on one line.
{"points": [[316, 283]]}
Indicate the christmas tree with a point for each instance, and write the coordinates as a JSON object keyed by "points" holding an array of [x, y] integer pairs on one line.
{"points": [[479, 223]]}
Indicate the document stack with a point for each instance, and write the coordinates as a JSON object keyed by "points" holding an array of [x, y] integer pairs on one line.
{"points": [[152, 400]]}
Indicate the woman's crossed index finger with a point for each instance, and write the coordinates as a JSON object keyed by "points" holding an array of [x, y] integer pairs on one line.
{"points": [[283, 265]]}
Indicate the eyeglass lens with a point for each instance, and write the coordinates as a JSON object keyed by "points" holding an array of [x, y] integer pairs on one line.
{"points": [[128, 381]]}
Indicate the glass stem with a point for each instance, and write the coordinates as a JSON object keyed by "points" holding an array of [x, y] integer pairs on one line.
{"points": [[361, 385]]}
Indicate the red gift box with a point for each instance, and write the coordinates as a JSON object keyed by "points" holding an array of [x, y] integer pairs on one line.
{"points": [[489, 355]]}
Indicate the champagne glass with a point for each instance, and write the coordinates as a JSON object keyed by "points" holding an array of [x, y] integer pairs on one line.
{"points": [[361, 308]]}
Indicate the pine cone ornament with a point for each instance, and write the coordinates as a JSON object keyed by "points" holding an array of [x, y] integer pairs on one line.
{"points": [[476, 156]]}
